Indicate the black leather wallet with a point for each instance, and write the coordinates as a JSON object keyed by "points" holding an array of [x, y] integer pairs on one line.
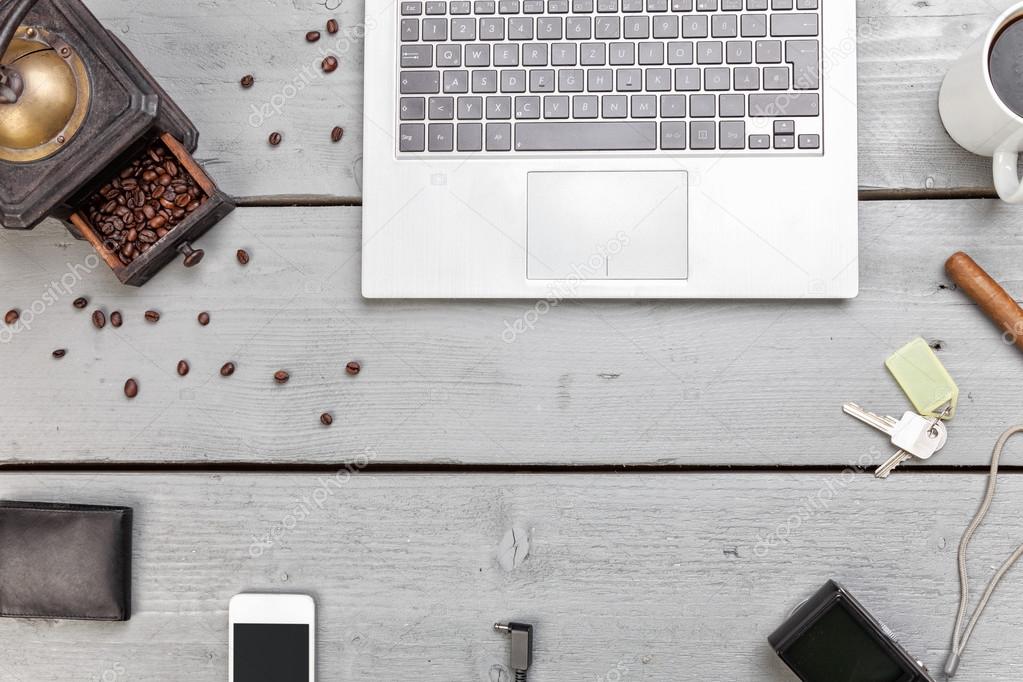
{"points": [[65, 561]]}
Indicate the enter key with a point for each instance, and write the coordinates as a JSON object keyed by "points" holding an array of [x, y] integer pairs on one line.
{"points": [[805, 58]]}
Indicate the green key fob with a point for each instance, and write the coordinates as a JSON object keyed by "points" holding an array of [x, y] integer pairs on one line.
{"points": [[924, 379]]}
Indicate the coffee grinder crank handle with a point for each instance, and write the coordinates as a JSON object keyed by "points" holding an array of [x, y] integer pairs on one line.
{"points": [[11, 84]]}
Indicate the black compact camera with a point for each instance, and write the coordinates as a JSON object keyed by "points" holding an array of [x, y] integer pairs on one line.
{"points": [[832, 638]]}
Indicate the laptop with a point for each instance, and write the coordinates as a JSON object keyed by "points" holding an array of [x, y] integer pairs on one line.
{"points": [[610, 149]]}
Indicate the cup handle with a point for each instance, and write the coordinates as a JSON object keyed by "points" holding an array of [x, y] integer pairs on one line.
{"points": [[1006, 171]]}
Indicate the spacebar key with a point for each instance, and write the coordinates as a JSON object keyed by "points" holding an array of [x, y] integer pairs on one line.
{"points": [[585, 136]]}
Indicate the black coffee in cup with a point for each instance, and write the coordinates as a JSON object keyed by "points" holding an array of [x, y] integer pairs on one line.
{"points": [[1006, 66]]}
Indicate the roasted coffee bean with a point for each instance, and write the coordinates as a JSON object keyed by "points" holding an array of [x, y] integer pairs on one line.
{"points": [[12, 317], [182, 368], [140, 206], [81, 302], [115, 319], [353, 368], [281, 377], [330, 64], [332, 26], [152, 316], [99, 319], [337, 133], [247, 81], [243, 256], [312, 36], [131, 388], [326, 419], [227, 370], [59, 353], [275, 139]]}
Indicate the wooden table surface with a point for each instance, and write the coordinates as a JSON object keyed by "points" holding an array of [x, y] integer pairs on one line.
{"points": [[654, 484]]}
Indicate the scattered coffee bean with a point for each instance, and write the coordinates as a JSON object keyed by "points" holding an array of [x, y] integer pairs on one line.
{"points": [[150, 197], [332, 26], [330, 64], [99, 320], [243, 256], [59, 353], [81, 303], [353, 368], [247, 81], [227, 370], [12, 317], [115, 319], [312, 36], [152, 316], [182, 368], [281, 377], [337, 133], [204, 318], [326, 419], [275, 139], [131, 388]]}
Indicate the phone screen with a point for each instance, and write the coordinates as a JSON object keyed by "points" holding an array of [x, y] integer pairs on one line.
{"points": [[271, 652]]}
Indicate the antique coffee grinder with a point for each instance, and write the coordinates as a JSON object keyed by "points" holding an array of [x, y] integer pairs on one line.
{"points": [[87, 136]]}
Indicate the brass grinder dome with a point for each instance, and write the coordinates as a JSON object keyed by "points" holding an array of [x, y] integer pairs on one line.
{"points": [[53, 105]]}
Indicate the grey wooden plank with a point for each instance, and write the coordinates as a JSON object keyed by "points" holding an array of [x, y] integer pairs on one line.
{"points": [[673, 577], [643, 382], [199, 50]]}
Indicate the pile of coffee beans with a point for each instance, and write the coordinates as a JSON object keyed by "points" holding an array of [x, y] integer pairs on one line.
{"points": [[143, 203]]}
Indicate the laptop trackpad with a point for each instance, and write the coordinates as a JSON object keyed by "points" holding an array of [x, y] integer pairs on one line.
{"points": [[607, 225]]}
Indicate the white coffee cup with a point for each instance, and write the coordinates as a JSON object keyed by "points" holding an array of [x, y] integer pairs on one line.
{"points": [[977, 118]]}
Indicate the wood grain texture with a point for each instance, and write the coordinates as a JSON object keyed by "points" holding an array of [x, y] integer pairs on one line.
{"points": [[199, 50], [671, 577], [644, 382]]}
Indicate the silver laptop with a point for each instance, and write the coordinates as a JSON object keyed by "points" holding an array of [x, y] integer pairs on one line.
{"points": [[610, 149]]}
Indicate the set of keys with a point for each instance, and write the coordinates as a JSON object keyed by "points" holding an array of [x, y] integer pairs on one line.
{"points": [[917, 435]]}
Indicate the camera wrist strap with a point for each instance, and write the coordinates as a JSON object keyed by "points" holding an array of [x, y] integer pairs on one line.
{"points": [[959, 636]]}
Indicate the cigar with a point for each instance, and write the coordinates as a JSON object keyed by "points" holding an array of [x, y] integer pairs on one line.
{"points": [[989, 295]]}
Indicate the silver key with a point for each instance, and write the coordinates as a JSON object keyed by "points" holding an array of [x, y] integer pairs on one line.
{"points": [[915, 436]]}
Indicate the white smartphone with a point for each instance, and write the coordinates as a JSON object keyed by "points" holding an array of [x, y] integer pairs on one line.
{"points": [[272, 638]]}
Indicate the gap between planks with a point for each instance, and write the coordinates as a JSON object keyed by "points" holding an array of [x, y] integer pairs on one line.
{"points": [[396, 468], [315, 200]]}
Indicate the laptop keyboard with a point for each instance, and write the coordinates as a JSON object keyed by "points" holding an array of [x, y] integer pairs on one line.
{"points": [[685, 76]]}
